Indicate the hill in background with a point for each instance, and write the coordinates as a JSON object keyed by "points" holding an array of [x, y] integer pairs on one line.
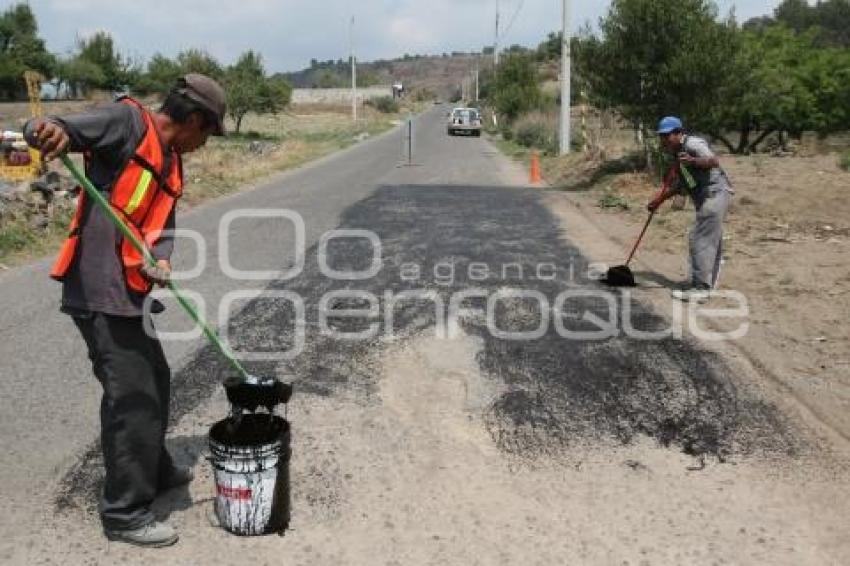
{"points": [[437, 75]]}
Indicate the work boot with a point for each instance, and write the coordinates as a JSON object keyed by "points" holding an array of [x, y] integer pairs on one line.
{"points": [[694, 294], [154, 535], [175, 477]]}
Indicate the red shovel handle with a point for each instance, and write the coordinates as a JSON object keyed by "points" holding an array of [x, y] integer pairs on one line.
{"points": [[642, 232], [668, 180]]}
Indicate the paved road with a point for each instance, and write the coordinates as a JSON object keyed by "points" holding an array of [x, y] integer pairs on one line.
{"points": [[462, 215], [48, 398]]}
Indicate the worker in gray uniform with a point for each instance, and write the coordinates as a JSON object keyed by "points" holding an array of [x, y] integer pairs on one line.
{"points": [[133, 156], [701, 177]]}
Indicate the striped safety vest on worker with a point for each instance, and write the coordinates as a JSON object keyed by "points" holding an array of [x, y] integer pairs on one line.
{"points": [[143, 194]]}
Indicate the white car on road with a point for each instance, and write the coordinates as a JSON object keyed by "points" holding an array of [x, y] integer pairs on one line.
{"points": [[464, 120]]}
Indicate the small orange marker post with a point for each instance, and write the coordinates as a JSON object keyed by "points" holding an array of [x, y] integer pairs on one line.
{"points": [[535, 168]]}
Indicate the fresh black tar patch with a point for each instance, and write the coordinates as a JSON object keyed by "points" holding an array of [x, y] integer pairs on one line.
{"points": [[559, 392]]}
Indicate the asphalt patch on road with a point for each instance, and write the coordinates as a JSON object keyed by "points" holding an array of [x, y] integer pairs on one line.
{"points": [[558, 392]]}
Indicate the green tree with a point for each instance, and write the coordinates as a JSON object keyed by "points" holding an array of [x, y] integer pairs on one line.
{"points": [[659, 57], [20, 50], [830, 17], [796, 14], [781, 81], [161, 73], [249, 90], [79, 75], [550, 48], [199, 61], [118, 71], [279, 92], [833, 17], [515, 88]]}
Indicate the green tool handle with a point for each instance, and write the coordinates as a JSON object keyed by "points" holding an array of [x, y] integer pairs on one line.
{"points": [[92, 192]]}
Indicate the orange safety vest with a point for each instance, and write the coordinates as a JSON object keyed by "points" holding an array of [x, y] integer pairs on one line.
{"points": [[143, 194]]}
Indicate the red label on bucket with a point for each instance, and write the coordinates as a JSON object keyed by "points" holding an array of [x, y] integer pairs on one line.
{"points": [[233, 492]]}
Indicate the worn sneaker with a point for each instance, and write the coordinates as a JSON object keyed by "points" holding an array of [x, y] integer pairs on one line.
{"points": [[694, 295], [176, 477], [154, 535]]}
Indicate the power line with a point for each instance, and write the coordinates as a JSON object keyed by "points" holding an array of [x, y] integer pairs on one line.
{"points": [[514, 17]]}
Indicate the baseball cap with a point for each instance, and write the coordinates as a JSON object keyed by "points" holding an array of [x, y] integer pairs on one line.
{"points": [[207, 93], [669, 124]]}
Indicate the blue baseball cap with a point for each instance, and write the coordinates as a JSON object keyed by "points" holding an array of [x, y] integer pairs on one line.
{"points": [[669, 124]]}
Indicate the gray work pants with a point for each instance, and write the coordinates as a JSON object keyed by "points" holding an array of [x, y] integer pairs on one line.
{"points": [[706, 238], [136, 381]]}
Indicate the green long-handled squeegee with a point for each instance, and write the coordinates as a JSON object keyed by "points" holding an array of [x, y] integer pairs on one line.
{"points": [[246, 391]]}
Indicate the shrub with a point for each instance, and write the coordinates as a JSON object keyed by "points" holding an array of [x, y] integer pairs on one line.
{"points": [[537, 130], [385, 104], [844, 161], [424, 95], [516, 89]]}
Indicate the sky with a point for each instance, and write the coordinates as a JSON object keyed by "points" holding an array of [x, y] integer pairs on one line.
{"points": [[289, 33]]}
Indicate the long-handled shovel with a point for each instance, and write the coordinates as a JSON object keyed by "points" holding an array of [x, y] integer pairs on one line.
{"points": [[246, 391], [621, 275]]}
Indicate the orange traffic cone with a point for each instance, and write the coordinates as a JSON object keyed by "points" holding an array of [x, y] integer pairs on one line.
{"points": [[535, 168]]}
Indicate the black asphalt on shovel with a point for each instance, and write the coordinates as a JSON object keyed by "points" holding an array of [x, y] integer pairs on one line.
{"points": [[621, 275], [244, 391]]}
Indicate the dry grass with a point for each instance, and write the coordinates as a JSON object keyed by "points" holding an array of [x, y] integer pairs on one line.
{"points": [[800, 197], [20, 240], [272, 143], [266, 144]]}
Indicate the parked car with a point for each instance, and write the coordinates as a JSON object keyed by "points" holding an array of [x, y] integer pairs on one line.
{"points": [[464, 121]]}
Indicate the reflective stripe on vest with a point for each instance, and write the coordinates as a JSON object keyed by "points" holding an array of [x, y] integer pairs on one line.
{"points": [[138, 194]]}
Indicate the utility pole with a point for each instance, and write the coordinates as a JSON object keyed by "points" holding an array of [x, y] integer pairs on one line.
{"points": [[353, 73], [496, 43], [565, 81], [477, 86]]}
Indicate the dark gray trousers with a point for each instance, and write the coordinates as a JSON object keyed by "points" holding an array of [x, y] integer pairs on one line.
{"points": [[136, 381]]}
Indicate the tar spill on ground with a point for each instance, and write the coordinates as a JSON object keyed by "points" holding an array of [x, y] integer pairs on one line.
{"points": [[558, 392]]}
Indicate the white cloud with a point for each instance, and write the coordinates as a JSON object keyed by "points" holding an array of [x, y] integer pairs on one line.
{"points": [[409, 31]]}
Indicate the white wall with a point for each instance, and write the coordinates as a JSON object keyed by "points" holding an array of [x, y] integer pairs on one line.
{"points": [[337, 95]]}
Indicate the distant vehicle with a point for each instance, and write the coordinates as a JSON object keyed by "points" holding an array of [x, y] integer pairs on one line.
{"points": [[464, 121]]}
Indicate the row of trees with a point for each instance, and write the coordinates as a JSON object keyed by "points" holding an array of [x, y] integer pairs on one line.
{"points": [[97, 64], [248, 87], [783, 74], [831, 17], [658, 57]]}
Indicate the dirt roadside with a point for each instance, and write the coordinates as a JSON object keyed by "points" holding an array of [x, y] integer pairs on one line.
{"points": [[785, 247], [30, 227]]}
